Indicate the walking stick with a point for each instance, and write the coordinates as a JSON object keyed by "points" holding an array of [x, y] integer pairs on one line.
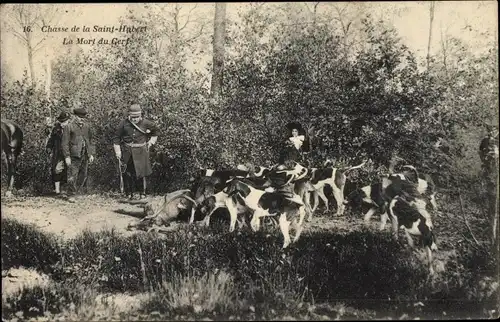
{"points": [[84, 178], [121, 176]]}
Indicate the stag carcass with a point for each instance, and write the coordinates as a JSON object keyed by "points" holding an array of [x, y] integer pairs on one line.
{"points": [[161, 212]]}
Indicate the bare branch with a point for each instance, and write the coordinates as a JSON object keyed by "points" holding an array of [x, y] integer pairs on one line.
{"points": [[347, 28], [19, 16], [195, 36], [340, 12], [188, 16], [176, 17], [259, 5], [307, 6], [465, 219], [36, 48], [184, 26], [19, 35]]}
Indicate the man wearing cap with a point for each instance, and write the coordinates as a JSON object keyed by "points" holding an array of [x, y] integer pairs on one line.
{"points": [[78, 149], [54, 149], [488, 149], [131, 142], [488, 152]]}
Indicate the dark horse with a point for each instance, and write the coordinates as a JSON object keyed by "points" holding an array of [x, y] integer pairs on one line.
{"points": [[12, 144]]}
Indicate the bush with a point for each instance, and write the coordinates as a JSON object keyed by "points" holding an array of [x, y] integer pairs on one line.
{"points": [[199, 295], [363, 269], [25, 245], [42, 300], [327, 265]]}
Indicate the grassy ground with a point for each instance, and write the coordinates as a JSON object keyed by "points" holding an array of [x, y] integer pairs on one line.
{"points": [[338, 269]]}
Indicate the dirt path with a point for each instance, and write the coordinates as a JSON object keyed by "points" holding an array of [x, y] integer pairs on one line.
{"points": [[67, 219], [97, 212]]}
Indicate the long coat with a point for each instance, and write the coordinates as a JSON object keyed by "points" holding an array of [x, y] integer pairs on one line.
{"points": [[54, 144], [76, 136], [133, 143]]}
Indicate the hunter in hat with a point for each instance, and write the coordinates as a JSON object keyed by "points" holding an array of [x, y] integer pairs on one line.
{"points": [[488, 149], [78, 149], [292, 150], [488, 153], [54, 149], [131, 142]]}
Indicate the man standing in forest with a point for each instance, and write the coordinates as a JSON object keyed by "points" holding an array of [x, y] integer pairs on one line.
{"points": [[488, 152], [78, 150], [134, 136]]}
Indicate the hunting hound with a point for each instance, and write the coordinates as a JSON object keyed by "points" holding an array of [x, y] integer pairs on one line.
{"points": [[409, 216], [336, 179], [377, 196], [289, 207]]}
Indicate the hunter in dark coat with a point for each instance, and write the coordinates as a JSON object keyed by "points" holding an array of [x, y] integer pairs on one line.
{"points": [[488, 152], [131, 142], [78, 149], [54, 148]]}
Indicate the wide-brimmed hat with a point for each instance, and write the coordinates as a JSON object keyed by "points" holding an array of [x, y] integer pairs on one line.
{"points": [[80, 111], [64, 116], [295, 125], [134, 110]]}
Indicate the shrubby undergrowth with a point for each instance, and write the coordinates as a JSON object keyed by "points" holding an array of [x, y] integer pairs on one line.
{"points": [[368, 102], [365, 269]]}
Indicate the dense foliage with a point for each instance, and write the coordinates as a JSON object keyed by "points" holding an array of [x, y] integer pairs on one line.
{"points": [[368, 102]]}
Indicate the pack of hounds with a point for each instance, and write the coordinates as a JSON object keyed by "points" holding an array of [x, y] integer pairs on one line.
{"points": [[283, 192], [250, 193]]}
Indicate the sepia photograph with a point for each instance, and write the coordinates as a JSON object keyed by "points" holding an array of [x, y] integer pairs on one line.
{"points": [[218, 161]]}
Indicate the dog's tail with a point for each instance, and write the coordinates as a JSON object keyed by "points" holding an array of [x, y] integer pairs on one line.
{"points": [[355, 167]]}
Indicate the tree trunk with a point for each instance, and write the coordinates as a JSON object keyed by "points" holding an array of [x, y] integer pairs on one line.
{"points": [[494, 217], [48, 74], [218, 48], [30, 62], [488, 153], [431, 12], [493, 202]]}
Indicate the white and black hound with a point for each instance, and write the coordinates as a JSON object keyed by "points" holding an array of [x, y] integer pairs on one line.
{"points": [[377, 196], [209, 182], [294, 181], [409, 216], [336, 179], [425, 184], [289, 207], [222, 199]]}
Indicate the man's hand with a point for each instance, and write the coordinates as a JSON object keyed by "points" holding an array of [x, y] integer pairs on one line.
{"points": [[91, 159], [118, 151], [494, 152], [68, 161], [152, 141]]}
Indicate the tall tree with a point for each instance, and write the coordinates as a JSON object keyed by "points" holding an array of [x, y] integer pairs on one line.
{"points": [[25, 22], [218, 49], [431, 20]]}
